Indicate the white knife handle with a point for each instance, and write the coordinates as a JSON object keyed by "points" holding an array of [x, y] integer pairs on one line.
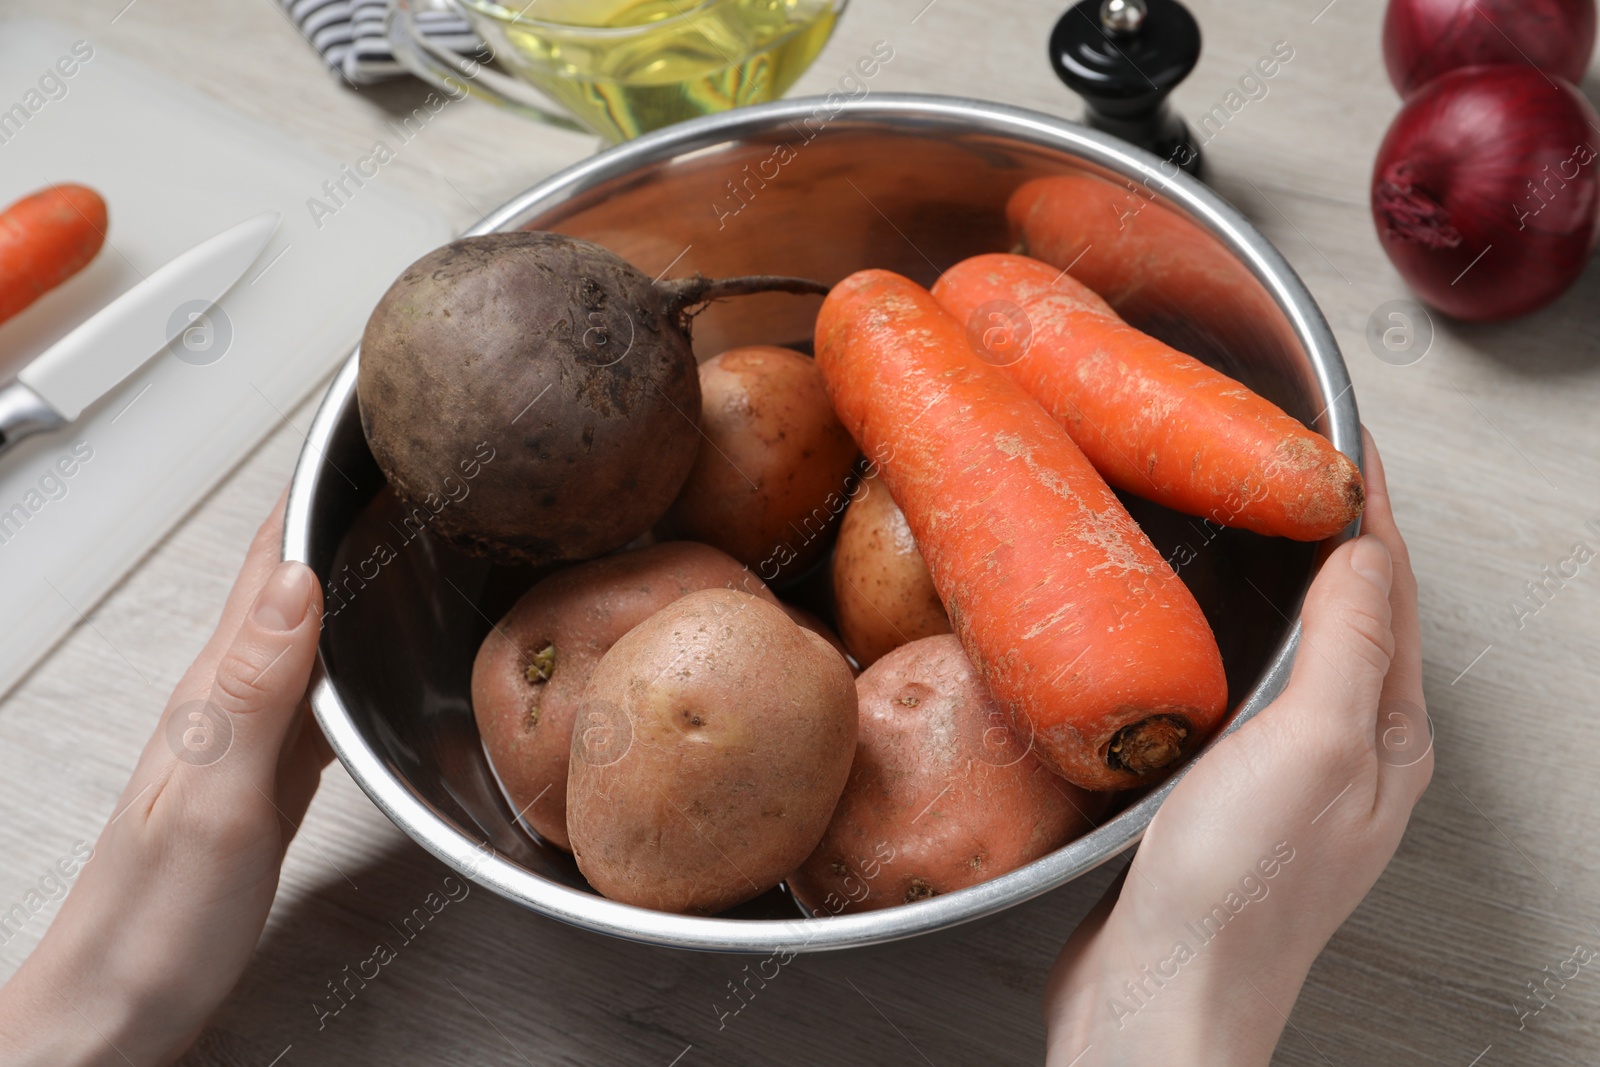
{"points": [[24, 412]]}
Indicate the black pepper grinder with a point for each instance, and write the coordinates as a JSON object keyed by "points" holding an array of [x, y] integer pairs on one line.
{"points": [[1123, 57]]}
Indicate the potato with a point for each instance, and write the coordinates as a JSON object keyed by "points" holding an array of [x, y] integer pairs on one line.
{"points": [[770, 478], [713, 742], [883, 595], [942, 794], [531, 670]]}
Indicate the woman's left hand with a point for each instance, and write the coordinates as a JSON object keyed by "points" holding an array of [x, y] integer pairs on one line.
{"points": [[167, 912]]}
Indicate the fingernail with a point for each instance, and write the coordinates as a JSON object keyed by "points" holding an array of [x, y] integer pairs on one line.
{"points": [[1370, 559], [285, 599]]}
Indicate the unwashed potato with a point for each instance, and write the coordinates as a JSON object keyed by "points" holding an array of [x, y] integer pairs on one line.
{"points": [[710, 750], [942, 795], [531, 670], [769, 481], [883, 595]]}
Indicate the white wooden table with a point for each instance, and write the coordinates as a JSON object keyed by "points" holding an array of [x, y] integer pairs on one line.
{"points": [[1494, 462]]}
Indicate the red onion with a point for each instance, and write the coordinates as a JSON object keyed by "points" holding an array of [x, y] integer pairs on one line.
{"points": [[1423, 39], [1485, 191]]}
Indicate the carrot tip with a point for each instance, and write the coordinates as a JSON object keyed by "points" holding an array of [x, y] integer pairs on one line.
{"points": [[1148, 745], [1356, 495]]}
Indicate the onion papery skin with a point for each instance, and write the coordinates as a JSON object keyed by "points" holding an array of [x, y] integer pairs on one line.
{"points": [[1485, 192], [1423, 39]]}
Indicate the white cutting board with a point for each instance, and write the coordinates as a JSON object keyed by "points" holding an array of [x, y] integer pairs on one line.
{"points": [[174, 167]]}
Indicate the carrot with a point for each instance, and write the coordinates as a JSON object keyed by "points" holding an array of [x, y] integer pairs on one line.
{"points": [[1083, 633], [45, 239], [1154, 266], [1153, 421]]}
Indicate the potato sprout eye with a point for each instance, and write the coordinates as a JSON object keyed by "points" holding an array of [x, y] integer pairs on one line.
{"points": [[541, 666]]}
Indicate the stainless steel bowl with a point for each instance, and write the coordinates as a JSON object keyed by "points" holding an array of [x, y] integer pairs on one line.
{"points": [[909, 183]]}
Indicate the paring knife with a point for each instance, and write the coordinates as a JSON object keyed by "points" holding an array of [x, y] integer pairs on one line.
{"points": [[94, 358]]}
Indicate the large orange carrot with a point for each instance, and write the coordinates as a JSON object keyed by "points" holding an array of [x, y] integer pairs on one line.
{"points": [[1082, 631], [1152, 265], [45, 239], [1153, 421]]}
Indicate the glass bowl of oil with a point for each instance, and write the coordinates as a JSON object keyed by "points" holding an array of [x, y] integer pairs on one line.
{"points": [[620, 68]]}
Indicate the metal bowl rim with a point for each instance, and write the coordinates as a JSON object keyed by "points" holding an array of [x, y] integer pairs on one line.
{"points": [[590, 911]]}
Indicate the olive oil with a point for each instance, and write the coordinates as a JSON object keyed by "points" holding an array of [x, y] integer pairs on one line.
{"points": [[624, 67]]}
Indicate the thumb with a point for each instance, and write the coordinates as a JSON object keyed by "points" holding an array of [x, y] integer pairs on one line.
{"points": [[261, 678], [1347, 637]]}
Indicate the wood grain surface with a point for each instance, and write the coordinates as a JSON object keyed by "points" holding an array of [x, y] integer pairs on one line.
{"points": [[1494, 462]]}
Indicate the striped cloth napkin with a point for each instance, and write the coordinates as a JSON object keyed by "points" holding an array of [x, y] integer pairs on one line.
{"points": [[349, 35]]}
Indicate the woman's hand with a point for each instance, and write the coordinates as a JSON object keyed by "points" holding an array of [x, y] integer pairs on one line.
{"points": [[1268, 843], [167, 912]]}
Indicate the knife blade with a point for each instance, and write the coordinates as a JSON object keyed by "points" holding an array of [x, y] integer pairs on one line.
{"points": [[86, 364]]}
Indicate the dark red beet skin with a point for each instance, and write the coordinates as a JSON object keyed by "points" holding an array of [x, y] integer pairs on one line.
{"points": [[1485, 192], [1423, 39]]}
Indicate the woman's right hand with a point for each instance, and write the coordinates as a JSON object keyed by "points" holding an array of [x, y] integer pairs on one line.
{"points": [[1269, 842]]}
